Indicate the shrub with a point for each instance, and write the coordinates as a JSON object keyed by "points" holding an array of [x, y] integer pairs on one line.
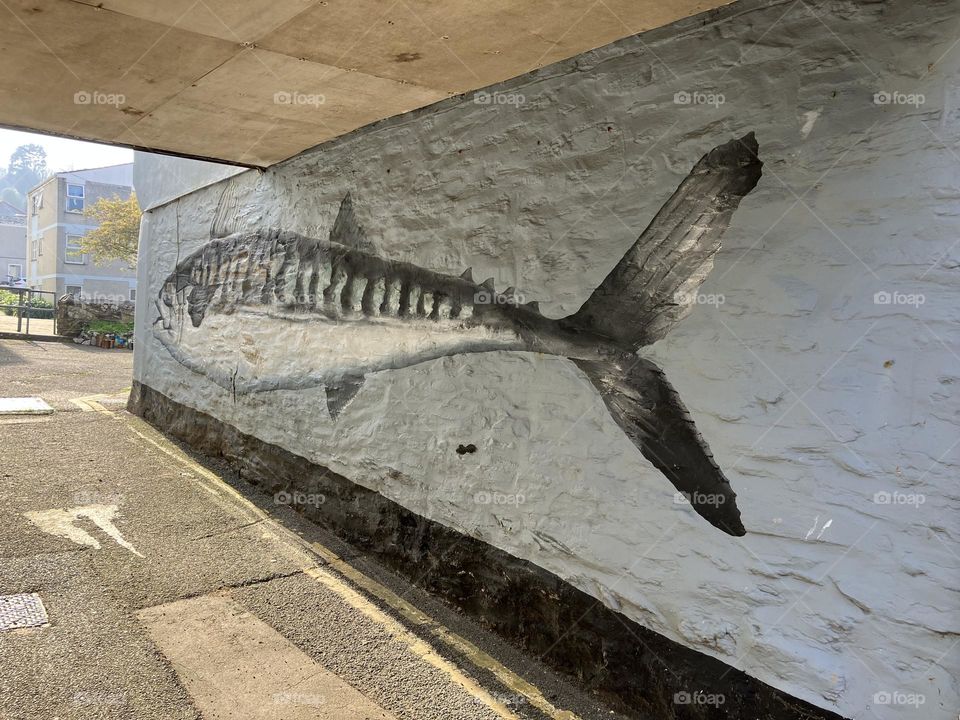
{"points": [[110, 327], [41, 308]]}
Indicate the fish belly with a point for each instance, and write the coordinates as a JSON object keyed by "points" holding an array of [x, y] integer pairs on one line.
{"points": [[255, 349]]}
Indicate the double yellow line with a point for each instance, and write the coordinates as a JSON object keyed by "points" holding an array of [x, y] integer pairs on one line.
{"points": [[459, 645], [91, 403]]}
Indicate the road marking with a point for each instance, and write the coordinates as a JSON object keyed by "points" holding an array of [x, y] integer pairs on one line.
{"points": [[60, 523], [214, 484], [417, 646], [91, 403], [477, 656]]}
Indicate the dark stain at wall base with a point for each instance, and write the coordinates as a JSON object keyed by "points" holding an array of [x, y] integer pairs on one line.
{"points": [[635, 669]]}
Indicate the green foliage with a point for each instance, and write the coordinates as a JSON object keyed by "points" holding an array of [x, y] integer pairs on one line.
{"points": [[108, 327], [118, 231], [41, 308]]}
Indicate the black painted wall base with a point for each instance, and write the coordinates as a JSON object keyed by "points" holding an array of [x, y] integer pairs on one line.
{"points": [[636, 669]]}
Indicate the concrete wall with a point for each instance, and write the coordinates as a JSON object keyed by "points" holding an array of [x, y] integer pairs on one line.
{"points": [[161, 178], [821, 366]]}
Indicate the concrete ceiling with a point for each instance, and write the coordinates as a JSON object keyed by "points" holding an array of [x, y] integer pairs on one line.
{"points": [[254, 82]]}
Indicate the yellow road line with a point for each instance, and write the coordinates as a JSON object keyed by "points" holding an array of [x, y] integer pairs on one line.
{"points": [[215, 485], [91, 402], [417, 646], [477, 656]]}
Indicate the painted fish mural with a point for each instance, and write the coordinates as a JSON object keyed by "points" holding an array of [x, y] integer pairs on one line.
{"points": [[270, 310]]}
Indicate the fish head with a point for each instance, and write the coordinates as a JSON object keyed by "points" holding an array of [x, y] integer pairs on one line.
{"points": [[166, 305], [182, 292]]}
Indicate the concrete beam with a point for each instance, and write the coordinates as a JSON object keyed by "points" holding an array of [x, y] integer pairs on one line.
{"points": [[253, 82]]}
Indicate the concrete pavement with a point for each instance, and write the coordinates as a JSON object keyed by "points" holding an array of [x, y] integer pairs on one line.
{"points": [[174, 590]]}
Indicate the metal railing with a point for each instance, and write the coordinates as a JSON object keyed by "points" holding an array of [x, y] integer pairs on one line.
{"points": [[26, 310]]}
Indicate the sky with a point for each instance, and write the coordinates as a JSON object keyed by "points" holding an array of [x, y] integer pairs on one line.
{"points": [[63, 154]]}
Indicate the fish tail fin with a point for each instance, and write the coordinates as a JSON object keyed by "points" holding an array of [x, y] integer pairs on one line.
{"points": [[648, 409], [654, 285]]}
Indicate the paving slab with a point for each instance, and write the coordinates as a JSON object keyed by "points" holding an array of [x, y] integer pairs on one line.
{"points": [[232, 662], [24, 406]]}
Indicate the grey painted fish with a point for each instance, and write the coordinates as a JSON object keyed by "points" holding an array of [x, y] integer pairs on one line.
{"points": [[269, 310]]}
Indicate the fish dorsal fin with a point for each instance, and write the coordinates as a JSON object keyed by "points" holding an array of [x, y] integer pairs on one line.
{"points": [[347, 231], [488, 284], [510, 291], [467, 274], [340, 393], [533, 305]]}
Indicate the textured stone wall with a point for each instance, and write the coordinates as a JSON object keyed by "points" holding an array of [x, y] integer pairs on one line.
{"points": [[821, 365], [74, 314]]}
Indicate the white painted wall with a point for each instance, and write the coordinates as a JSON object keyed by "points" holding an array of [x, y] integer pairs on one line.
{"points": [[813, 397], [161, 178]]}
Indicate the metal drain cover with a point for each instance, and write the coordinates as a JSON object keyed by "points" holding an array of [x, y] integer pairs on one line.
{"points": [[22, 611]]}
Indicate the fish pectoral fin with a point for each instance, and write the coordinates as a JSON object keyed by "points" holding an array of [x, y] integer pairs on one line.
{"points": [[340, 393], [647, 408]]}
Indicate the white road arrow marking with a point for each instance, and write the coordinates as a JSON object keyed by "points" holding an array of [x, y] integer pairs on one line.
{"points": [[60, 522]]}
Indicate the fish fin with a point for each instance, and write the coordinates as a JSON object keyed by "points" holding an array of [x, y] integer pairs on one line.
{"points": [[340, 394], [488, 284], [467, 274], [648, 409], [347, 231], [654, 285]]}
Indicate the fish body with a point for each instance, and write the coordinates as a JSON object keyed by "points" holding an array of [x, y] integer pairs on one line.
{"points": [[273, 310], [344, 312]]}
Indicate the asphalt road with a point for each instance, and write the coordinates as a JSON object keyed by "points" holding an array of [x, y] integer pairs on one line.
{"points": [[204, 599]]}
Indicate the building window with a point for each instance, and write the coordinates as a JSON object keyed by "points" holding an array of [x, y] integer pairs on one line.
{"points": [[133, 294], [74, 198], [34, 249], [15, 271], [75, 290], [74, 254], [37, 201]]}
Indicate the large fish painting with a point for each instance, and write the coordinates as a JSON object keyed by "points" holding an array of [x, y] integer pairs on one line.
{"points": [[268, 309]]}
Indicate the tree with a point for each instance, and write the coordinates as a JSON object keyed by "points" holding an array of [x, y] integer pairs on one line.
{"points": [[28, 166], [116, 236], [12, 196]]}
